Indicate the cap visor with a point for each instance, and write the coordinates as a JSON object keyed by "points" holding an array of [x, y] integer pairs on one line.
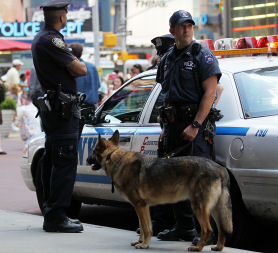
{"points": [[182, 20]]}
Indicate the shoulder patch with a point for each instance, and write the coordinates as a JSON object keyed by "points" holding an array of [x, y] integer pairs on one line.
{"points": [[59, 43], [209, 59]]}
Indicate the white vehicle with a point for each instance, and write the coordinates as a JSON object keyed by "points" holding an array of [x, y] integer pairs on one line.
{"points": [[246, 142]]}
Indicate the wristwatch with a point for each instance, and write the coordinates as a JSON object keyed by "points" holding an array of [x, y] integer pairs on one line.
{"points": [[196, 124]]}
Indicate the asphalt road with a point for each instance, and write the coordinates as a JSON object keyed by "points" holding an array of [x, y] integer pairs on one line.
{"points": [[15, 196]]}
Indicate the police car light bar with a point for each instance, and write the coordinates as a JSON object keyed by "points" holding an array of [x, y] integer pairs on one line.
{"points": [[265, 50]]}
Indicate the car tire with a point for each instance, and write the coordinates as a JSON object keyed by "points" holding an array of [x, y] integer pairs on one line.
{"points": [[243, 223], [72, 211]]}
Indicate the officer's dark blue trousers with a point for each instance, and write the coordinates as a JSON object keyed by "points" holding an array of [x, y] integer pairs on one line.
{"points": [[200, 147], [59, 163]]}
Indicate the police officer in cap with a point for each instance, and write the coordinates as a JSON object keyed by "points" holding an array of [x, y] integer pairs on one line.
{"points": [[162, 45], [188, 74], [56, 69]]}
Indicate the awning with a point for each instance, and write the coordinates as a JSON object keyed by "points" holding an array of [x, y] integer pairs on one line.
{"points": [[13, 45]]}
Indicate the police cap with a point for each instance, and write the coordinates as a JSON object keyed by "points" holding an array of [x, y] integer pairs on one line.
{"points": [[55, 4], [163, 43], [179, 17]]}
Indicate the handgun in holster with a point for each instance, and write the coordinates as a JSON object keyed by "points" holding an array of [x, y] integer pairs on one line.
{"points": [[66, 102], [41, 104], [167, 114]]}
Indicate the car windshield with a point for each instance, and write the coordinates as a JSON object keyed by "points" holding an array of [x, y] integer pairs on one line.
{"points": [[258, 91]]}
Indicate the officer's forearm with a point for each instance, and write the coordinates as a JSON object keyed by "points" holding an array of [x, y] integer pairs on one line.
{"points": [[77, 68], [209, 87]]}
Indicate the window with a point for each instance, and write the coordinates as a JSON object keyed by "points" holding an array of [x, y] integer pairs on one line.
{"points": [[127, 104], [155, 111], [258, 92]]}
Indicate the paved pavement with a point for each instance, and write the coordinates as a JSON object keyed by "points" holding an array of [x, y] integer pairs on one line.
{"points": [[21, 232]]}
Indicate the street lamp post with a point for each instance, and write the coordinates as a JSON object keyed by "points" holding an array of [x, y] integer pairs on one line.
{"points": [[123, 24], [95, 20]]}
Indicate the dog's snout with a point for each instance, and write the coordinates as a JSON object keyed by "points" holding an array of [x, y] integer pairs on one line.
{"points": [[90, 159]]}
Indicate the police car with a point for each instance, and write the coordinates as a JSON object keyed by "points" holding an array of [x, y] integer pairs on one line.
{"points": [[246, 141]]}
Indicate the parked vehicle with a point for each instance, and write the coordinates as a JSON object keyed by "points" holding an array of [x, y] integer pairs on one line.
{"points": [[246, 138]]}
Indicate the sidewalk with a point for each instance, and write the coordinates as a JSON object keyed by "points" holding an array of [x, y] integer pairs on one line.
{"points": [[20, 232]]}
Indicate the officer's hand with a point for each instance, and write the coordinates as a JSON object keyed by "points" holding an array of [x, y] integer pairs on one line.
{"points": [[190, 133]]}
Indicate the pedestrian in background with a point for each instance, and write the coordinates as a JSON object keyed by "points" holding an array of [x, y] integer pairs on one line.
{"points": [[135, 70], [88, 84], [22, 81], [2, 98], [35, 88], [56, 69], [13, 85], [12, 76], [188, 74], [103, 90], [118, 82]]}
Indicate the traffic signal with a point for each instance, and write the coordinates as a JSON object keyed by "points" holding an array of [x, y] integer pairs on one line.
{"points": [[221, 6], [109, 39], [124, 55]]}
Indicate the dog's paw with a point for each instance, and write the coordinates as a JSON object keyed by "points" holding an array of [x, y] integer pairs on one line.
{"points": [[216, 248], [141, 246], [135, 243], [195, 248]]}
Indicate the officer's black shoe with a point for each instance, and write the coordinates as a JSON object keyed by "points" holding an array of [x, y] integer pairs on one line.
{"points": [[76, 221], [156, 227], [176, 234], [66, 226]]}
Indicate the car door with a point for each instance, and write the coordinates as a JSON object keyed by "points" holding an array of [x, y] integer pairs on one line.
{"points": [[123, 111], [148, 132]]}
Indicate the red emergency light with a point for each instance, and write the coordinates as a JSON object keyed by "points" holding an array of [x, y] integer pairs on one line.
{"points": [[270, 40], [246, 42], [209, 44]]}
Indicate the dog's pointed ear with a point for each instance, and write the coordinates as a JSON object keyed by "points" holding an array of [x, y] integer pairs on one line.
{"points": [[115, 138], [100, 140]]}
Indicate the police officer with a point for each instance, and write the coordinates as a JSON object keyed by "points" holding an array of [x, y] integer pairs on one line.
{"points": [[56, 69], [188, 74], [162, 44], [162, 215]]}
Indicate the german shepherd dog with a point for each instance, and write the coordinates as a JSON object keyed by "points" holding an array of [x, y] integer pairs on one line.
{"points": [[146, 182]]}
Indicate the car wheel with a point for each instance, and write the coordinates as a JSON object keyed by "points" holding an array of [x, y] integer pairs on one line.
{"points": [[75, 206], [243, 223]]}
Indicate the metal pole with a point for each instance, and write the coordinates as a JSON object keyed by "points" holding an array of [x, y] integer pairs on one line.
{"points": [[275, 18], [95, 20], [123, 25]]}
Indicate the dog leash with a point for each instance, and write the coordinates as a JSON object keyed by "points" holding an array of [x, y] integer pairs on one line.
{"points": [[109, 158], [178, 150]]}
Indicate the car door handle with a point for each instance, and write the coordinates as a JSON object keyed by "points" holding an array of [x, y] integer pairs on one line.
{"points": [[124, 139]]}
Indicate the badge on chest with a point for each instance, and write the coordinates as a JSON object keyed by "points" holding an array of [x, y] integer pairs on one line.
{"points": [[188, 65]]}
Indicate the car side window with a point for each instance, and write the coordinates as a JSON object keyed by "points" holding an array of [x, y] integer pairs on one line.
{"points": [[155, 111], [126, 104]]}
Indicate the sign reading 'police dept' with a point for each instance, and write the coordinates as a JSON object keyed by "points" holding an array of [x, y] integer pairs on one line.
{"points": [[25, 29]]}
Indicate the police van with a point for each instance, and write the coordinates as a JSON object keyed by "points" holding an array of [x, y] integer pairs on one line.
{"points": [[246, 141]]}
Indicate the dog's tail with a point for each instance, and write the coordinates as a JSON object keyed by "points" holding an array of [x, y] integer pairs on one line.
{"points": [[225, 205]]}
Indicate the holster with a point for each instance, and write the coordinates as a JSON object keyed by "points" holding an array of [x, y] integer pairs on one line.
{"points": [[172, 119], [60, 102], [215, 115], [41, 104]]}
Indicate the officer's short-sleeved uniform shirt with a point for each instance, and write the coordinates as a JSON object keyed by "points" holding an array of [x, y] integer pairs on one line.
{"points": [[50, 57], [175, 74]]}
